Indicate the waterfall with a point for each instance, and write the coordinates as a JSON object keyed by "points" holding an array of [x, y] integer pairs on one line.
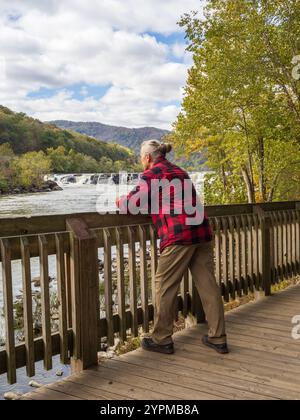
{"points": [[121, 178]]}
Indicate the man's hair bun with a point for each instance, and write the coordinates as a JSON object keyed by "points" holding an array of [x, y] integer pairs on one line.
{"points": [[165, 148]]}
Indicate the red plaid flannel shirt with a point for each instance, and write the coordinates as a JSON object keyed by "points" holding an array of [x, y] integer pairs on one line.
{"points": [[172, 228]]}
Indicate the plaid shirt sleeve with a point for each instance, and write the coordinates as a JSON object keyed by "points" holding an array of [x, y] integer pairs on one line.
{"points": [[138, 200]]}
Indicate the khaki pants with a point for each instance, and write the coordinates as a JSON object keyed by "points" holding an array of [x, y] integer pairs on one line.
{"points": [[173, 263]]}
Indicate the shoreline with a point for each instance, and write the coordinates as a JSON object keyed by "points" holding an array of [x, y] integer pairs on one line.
{"points": [[47, 186]]}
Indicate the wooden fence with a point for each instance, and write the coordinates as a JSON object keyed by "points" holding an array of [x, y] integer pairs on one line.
{"points": [[105, 272]]}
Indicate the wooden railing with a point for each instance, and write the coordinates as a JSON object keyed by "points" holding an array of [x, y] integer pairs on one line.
{"points": [[105, 272]]}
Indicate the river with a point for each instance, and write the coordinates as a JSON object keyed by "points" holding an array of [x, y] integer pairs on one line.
{"points": [[73, 199]]}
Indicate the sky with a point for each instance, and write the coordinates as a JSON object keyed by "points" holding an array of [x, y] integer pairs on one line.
{"points": [[119, 62]]}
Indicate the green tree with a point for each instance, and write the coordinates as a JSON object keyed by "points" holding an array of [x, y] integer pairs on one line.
{"points": [[242, 105], [106, 165], [120, 165], [30, 168], [82, 163], [60, 162], [6, 173]]}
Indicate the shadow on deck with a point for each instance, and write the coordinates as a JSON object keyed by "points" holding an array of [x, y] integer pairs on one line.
{"points": [[264, 363]]}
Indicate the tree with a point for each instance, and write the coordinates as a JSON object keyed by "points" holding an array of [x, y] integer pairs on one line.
{"points": [[242, 104], [82, 163], [120, 166], [6, 174], [60, 162], [106, 165], [30, 168]]}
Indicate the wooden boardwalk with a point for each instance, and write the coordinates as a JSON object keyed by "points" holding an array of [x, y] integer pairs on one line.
{"points": [[264, 363]]}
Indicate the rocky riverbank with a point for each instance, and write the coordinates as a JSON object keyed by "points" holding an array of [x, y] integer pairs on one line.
{"points": [[47, 186]]}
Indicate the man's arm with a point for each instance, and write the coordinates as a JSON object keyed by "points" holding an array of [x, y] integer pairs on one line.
{"points": [[138, 200]]}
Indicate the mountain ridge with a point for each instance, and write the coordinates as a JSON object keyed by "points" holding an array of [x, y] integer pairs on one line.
{"points": [[128, 137], [131, 138]]}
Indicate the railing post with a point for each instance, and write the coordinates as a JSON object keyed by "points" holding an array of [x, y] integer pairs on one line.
{"points": [[265, 250], [297, 235], [84, 294]]}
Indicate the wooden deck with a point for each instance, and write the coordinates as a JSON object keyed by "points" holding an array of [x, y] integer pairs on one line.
{"points": [[264, 363]]}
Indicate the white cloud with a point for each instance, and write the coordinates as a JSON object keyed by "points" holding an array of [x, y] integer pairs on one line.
{"points": [[133, 15], [2, 69], [57, 44], [179, 51], [121, 107]]}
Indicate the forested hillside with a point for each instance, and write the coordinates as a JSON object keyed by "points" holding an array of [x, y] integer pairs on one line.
{"points": [[29, 149], [25, 134]]}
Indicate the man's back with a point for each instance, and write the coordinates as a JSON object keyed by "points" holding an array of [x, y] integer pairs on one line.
{"points": [[173, 204]]}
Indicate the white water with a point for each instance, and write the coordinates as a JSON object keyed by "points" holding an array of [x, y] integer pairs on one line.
{"points": [[73, 199]]}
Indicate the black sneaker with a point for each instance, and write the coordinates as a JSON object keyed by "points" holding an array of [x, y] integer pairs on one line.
{"points": [[149, 345], [219, 348]]}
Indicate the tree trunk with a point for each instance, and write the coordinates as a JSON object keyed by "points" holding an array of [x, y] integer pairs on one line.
{"points": [[261, 158], [249, 185], [223, 170], [224, 177], [250, 160]]}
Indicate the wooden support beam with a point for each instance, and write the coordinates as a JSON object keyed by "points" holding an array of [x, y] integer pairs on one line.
{"points": [[45, 302], [62, 299], [144, 277], [108, 286], [85, 294], [132, 280], [265, 250], [8, 311], [27, 308], [121, 284]]}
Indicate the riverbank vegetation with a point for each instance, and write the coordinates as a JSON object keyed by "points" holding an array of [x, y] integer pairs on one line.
{"points": [[242, 100], [25, 173], [30, 149]]}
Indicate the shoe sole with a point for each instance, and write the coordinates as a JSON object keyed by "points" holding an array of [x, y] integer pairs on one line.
{"points": [[153, 350], [211, 346]]}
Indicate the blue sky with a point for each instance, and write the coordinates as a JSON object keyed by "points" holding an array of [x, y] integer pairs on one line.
{"points": [[79, 92], [116, 62]]}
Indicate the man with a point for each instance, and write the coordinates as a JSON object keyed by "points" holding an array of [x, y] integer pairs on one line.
{"points": [[185, 242]]}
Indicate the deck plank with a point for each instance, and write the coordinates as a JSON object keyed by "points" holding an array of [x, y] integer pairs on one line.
{"points": [[187, 384], [207, 371], [115, 385], [158, 386], [45, 393], [242, 355], [264, 363], [209, 377], [88, 393]]}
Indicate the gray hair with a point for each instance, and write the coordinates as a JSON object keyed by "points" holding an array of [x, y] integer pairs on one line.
{"points": [[155, 148]]}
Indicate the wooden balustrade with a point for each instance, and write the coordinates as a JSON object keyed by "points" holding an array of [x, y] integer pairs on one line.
{"points": [[256, 246]]}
